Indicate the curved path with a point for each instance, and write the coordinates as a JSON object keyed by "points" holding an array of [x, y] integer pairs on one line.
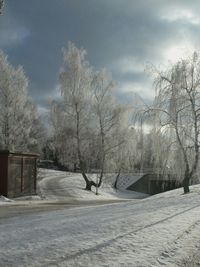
{"points": [[51, 188], [54, 195]]}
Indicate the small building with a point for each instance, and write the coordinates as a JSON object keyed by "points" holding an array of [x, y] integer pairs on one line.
{"points": [[153, 184], [18, 173]]}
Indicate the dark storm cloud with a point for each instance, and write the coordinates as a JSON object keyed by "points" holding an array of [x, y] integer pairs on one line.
{"points": [[121, 35]]}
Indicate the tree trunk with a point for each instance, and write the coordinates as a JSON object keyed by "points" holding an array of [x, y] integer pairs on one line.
{"points": [[101, 177], [117, 178], [88, 185], [187, 174], [88, 182], [186, 181]]}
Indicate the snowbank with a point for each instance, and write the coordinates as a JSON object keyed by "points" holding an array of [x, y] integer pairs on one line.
{"points": [[5, 200]]}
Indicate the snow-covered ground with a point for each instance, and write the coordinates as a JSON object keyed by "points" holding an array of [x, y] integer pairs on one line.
{"points": [[59, 185], [5, 200], [162, 230]]}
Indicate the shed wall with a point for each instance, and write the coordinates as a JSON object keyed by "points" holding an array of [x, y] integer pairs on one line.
{"points": [[3, 175], [18, 174]]}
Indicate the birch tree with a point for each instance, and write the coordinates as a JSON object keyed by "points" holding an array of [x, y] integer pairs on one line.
{"points": [[87, 111], [177, 105], [107, 113], [75, 80]]}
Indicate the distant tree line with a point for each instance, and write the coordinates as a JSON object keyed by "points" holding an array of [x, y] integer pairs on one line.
{"points": [[92, 132]]}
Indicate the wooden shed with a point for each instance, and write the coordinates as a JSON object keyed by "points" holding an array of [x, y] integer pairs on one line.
{"points": [[18, 173]]}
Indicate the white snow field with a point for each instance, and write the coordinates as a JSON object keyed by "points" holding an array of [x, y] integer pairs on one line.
{"points": [[162, 230], [58, 186]]}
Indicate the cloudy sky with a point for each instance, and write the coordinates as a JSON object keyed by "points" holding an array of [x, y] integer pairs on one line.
{"points": [[121, 35]]}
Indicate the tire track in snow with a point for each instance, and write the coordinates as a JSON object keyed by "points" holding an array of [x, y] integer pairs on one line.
{"points": [[113, 240], [175, 245]]}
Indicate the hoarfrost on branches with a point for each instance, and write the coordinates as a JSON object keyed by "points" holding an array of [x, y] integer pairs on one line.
{"points": [[17, 111], [177, 109]]}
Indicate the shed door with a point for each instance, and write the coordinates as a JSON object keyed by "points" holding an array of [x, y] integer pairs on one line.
{"points": [[14, 177], [29, 175]]}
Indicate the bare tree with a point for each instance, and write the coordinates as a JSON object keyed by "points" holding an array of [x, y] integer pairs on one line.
{"points": [[177, 108]]}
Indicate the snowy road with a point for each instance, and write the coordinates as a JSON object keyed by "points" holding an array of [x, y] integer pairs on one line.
{"points": [[65, 186], [51, 187], [158, 231]]}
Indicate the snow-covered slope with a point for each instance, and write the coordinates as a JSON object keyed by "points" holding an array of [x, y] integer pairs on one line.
{"points": [[161, 230], [59, 185]]}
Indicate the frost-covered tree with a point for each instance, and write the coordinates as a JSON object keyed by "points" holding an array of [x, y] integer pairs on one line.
{"points": [[85, 119], [122, 158], [16, 109], [38, 133], [1, 5], [107, 116], [63, 144], [177, 108], [75, 79]]}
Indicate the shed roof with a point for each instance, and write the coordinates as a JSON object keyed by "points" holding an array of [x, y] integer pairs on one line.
{"points": [[17, 153]]}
